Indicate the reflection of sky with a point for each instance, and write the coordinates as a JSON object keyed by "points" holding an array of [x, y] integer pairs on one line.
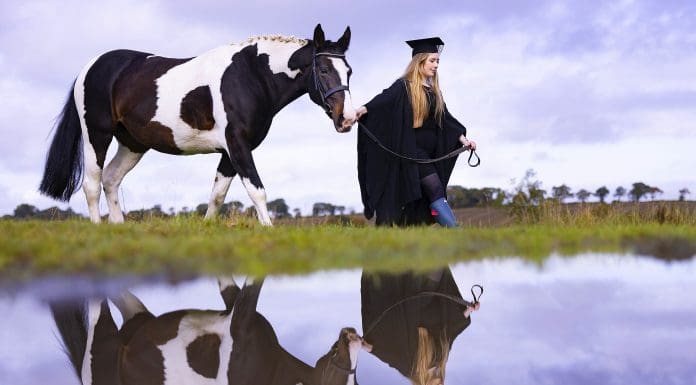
{"points": [[591, 319]]}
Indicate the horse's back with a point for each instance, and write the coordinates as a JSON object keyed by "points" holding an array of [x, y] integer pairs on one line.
{"points": [[178, 347]]}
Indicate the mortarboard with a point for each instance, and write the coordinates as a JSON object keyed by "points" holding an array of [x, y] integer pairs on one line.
{"points": [[429, 45]]}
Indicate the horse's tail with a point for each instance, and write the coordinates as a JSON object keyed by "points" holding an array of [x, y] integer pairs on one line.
{"points": [[64, 164], [71, 320]]}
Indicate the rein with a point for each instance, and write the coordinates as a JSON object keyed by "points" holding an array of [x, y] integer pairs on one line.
{"points": [[426, 294], [323, 92], [423, 161]]}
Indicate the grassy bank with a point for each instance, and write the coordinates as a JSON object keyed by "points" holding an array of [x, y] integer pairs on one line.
{"points": [[191, 245]]}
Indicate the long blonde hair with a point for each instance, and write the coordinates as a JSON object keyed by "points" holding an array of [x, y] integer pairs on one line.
{"points": [[419, 101], [427, 352]]}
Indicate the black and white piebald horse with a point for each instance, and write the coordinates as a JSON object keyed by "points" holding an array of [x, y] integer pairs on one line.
{"points": [[221, 101], [235, 346]]}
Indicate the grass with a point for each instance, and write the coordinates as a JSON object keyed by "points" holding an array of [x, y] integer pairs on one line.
{"points": [[187, 246], [551, 212]]}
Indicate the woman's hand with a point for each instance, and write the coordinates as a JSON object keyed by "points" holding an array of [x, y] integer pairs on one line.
{"points": [[471, 308], [467, 143], [362, 110]]}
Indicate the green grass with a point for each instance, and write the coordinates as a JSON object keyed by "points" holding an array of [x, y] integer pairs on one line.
{"points": [[192, 246]]}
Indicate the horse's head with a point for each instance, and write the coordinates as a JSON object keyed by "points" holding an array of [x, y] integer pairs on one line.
{"points": [[336, 366], [329, 79]]}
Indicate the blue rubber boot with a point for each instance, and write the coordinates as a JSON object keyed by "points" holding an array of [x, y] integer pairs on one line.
{"points": [[445, 216]]}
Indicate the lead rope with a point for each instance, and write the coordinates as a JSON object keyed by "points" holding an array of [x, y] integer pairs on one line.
{"points": [[423, 161], [424, 294]]}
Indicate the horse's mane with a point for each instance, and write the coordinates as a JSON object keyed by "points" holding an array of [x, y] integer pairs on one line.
{"points": [[278, 38]]}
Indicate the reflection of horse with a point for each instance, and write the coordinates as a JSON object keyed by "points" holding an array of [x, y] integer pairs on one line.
{"points": [[221, 101], [234, 346]]}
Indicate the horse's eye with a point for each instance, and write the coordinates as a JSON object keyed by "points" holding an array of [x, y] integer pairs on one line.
{"points": [[324, 70]]}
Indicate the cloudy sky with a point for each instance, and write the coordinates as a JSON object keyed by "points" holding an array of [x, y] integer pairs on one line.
{"points": [[585, 93]]}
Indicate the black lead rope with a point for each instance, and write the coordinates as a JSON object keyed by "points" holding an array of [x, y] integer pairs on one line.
{"points": [[476, 299], [423, 161], [424, 294]]}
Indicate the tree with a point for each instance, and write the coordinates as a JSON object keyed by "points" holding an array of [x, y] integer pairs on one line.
{"points": [[278, 208], [561, 192], [654, 191], [683, 193], [232, 208], [296, 211], [322, 208], [25, 211], [154, 212], [601, 193], [582, 195], [638, 191], [619, 193], [528, 190], [201, 209], [536, 195], [493, 196]]}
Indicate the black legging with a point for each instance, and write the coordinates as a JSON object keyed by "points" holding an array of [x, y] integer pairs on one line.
{"points": [[432, 187]]}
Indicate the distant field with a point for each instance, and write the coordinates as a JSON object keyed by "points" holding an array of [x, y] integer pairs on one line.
{"points": [[192, 245]]}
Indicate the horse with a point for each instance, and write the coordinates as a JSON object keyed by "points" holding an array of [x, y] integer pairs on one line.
{"points": [[222, 101], [233, 346]]}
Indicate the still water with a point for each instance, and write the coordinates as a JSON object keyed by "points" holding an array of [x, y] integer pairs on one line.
{"points": [[590, 319]]}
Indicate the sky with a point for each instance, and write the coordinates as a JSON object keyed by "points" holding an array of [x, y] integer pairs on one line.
{"points": [[588, 94]]}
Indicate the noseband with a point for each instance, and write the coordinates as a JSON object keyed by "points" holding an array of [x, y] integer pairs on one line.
{"points": [[338, 368], [323, 92]]}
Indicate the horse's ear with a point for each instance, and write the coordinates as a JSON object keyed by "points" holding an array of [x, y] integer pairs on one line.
{"points": [[344, 41], [319, 37]]}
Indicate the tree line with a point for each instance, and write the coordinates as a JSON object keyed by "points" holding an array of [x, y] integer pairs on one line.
{"points": [[527, 191]]}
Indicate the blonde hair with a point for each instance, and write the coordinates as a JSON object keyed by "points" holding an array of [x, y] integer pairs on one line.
{"points": [[427, 352], [419, 101]]}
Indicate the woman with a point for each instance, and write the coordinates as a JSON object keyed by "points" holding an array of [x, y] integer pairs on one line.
{"points": [[412, 319], [411, 119]]}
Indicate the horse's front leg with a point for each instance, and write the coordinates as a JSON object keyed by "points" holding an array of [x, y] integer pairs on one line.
{"points": [[243, 163], [223, 178]]}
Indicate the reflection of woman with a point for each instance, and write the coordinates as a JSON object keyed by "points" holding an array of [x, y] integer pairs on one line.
{"points": [[411, 331], [411, 118]]}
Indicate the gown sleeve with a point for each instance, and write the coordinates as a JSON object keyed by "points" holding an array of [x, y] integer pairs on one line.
{"points": [[385, 98]]}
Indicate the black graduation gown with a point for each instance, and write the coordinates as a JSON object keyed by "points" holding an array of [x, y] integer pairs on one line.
{"points": [[390, 186], [394, 337]]}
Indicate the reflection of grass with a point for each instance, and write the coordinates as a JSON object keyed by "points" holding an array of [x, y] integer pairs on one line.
{"points": [[194, 246]]}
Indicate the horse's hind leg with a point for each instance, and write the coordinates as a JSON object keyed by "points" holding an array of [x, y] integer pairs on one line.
{"points": [[223, 178], [92, 101], [124, 161], [96, 137], [91, 183]]}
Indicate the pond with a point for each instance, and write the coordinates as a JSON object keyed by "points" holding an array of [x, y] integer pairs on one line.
{"points": [[599, 319]]}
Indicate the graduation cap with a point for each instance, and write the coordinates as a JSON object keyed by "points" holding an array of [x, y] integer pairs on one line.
{"points": [[429, 45]]}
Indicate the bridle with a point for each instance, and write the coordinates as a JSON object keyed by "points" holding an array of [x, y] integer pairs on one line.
{"points": [[338, 368], [323, 92]]}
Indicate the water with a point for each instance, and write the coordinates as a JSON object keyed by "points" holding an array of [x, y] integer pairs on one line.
{"points": [[599, 319]]}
